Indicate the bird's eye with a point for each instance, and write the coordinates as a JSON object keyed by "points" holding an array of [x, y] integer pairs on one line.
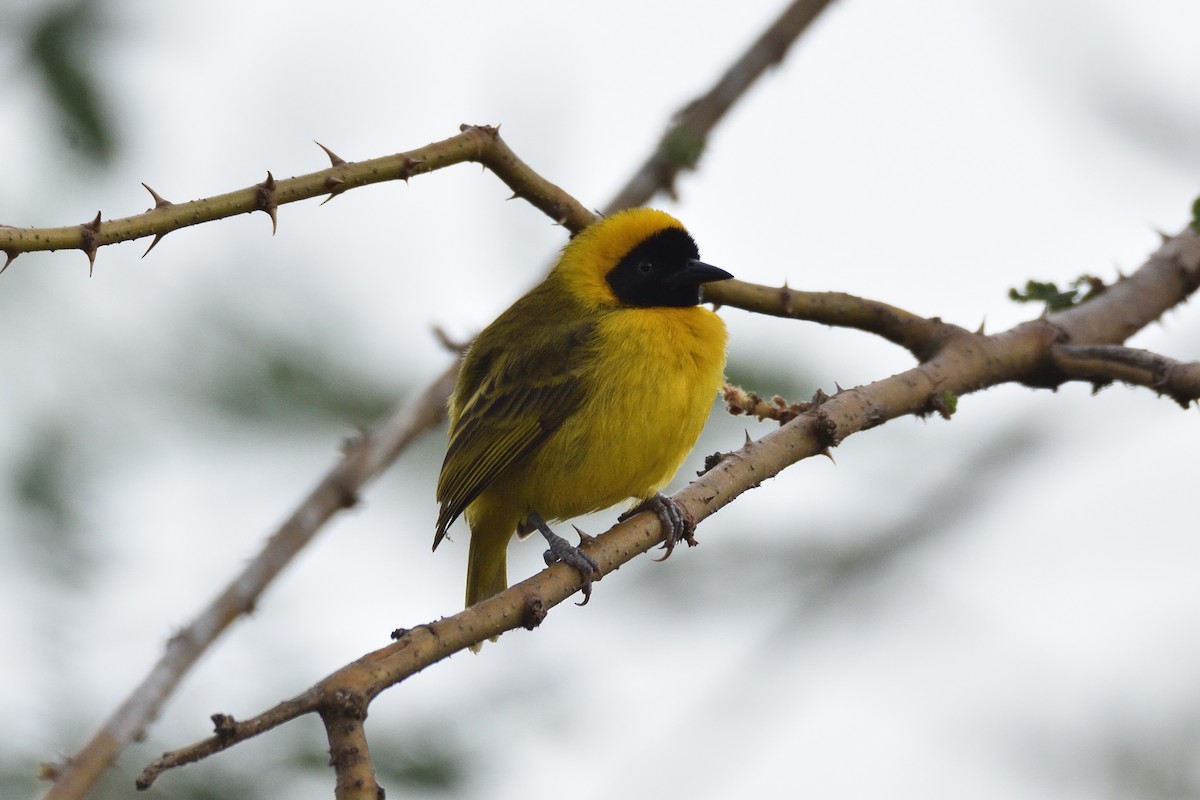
{"points": [[645, 267]]}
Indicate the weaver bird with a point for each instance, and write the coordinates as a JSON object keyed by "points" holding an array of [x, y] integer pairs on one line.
{"points": [[588, 391]]}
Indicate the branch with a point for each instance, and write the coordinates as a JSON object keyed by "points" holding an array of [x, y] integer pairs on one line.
{"points": [[918, 335], [1103, 363], [480, 144], [362, 460], [1169, 276], [350, 755], [686, 137], [965, 362]]}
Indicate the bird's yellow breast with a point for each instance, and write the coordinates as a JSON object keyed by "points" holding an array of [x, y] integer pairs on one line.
{"points": [[651, 377]]}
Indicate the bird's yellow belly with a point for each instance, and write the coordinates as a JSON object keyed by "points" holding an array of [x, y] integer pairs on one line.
{"points": [[647, 401]]}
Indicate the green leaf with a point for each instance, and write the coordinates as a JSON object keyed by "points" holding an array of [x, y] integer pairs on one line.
{"points": [[1057, 299], [1044, 292], [949, 403]]}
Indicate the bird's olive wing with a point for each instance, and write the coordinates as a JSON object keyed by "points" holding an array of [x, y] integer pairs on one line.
{"points": [[515, 398]]}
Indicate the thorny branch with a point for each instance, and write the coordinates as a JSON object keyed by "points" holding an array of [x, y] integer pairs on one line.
{"points": [[475, 143], [1102, 364]]}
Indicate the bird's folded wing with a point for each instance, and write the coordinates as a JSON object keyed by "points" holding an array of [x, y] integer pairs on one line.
{"points": [[516, 406]]}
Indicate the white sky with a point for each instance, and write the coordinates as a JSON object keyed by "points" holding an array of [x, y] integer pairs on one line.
{"points": [[928, 154]]}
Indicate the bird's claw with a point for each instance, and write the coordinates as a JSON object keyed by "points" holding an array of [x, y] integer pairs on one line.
{"points": [[562, 551], [678, 524]]}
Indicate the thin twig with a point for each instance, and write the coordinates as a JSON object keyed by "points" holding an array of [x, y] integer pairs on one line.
{"points": [[349, 751], [918, 335], [475, 143], [687, 134], [362, 460], [1102, 364]]}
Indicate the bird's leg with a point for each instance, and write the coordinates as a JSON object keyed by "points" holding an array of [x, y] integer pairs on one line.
{"points": [[562, 550], [676, 521]]}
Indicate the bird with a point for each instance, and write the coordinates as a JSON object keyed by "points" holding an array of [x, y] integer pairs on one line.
{"points": [[590, 390]]}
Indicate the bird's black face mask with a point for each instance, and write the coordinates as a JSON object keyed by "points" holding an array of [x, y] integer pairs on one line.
{"points": [[664, 270]]}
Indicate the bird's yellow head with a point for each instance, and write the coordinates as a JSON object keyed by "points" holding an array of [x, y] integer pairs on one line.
{"points": [[638, 257]]}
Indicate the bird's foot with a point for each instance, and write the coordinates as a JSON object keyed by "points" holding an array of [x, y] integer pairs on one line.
{"points": [[561, 550], [679, 525]]}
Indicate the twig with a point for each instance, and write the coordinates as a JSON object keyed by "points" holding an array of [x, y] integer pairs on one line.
{"points": [[739, 401], [362, 460], [1103, 363], [687, 134], [918, 335], [475, 143], [349, 751]]}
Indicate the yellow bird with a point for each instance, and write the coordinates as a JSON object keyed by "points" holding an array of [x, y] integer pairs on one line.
{"points": [[588, 391]]}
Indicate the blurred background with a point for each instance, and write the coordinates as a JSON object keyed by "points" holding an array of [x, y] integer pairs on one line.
{"points": [[999, 606]]}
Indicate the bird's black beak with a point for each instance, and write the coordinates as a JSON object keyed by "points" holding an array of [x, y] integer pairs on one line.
{"points": [[697, 272]]}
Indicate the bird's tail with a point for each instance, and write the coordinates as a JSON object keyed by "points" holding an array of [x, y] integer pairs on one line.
{"points": [[487, 561], [487, 565]]}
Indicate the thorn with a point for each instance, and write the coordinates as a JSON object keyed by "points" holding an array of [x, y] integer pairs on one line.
{"points": [[513, 196], [749, 441], [158, 237], [839, 388], [90, 234], [448, 343], [159, 201], [264, 200], [584, 538], [785, 295], [982, 322], [334, 158], [828, 455], [711, 461], [409, 167], [336, 186], [534, 612], [12, 256]]}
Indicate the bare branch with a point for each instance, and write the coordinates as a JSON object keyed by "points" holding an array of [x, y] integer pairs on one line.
{"points": [[350, 755], [687, 135], [363, 459], [918, 335], [1103, 363], [476, 143], [739, 401]]}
